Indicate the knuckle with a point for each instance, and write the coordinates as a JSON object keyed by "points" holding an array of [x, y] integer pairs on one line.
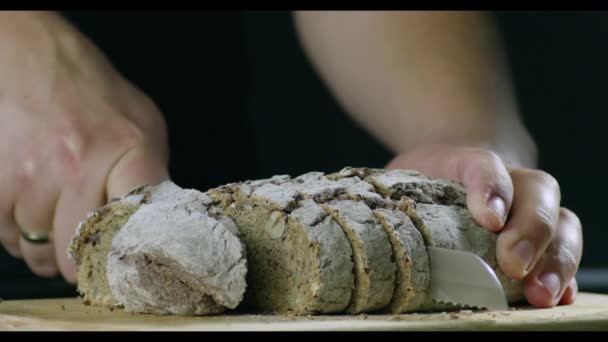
{"points": [[566, 215], [126, 133], [72, 149], [545, 179], [490, 168], [544, 225], [68, 148], [492, 157], [566, 260], [485, 155]]}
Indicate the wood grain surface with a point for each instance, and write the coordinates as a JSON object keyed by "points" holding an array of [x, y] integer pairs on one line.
{"points": [[590, 312]]}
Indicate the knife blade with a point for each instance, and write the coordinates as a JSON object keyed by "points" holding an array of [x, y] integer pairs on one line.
{"points": [[464, 279]]}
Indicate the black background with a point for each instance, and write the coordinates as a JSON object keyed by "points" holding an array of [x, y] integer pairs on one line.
{"points": [[242, 102]]}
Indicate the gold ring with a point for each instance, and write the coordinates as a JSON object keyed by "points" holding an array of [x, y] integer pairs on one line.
{"points": [[36, 237]]}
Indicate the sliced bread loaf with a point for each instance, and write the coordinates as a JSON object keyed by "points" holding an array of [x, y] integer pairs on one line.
{"points": [[353, 241]]}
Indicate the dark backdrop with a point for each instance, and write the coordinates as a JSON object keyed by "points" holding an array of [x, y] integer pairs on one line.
{"points": [[242, 102]]}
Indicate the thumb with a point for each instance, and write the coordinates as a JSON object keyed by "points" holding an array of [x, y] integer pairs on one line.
{"points": [[483, 174], [137, 167], [488, 185]]}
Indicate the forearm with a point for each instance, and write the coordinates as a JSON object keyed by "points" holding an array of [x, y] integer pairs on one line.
{"points": [[34, 26], [414, 78]]}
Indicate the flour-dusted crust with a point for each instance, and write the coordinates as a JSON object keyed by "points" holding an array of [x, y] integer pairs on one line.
{"points": [[171, 259], [89, 246], [418, 187], [395, 183], [141, 251]]}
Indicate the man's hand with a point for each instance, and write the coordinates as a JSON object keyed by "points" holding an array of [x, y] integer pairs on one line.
{"points": [[440, 79], [73, 134], [538, 240]]}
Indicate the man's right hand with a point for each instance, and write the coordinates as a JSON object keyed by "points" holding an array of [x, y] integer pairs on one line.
{"points": [[73, 134]]}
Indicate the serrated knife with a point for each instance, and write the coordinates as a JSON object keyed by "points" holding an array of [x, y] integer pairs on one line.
{"points": [[464, 279]]}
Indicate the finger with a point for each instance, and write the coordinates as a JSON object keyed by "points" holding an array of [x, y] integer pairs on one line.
{"points": [[531, 227], [488, 186], [483, 174], [34, 210], [570, 293], [137, 167], [9, 232], [79, 197], [9, 237], [546, 285]]}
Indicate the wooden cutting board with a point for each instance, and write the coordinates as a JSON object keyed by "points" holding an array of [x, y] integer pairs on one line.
{"points": [[590, 312]]}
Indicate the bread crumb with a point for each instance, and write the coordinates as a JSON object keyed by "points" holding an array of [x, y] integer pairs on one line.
{"points": [[63, 307], [86, 302]]}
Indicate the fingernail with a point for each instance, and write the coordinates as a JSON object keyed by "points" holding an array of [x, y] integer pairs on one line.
{"points": [[524, 251], [497, 205], [551, 282]]}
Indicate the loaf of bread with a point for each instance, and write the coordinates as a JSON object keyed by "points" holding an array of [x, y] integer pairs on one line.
{"points": [[353, 241]]}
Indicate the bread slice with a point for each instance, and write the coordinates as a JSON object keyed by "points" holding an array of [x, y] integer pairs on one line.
{"points": [[374, 268], [161, 250], [300, 261], [411, 259]]}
